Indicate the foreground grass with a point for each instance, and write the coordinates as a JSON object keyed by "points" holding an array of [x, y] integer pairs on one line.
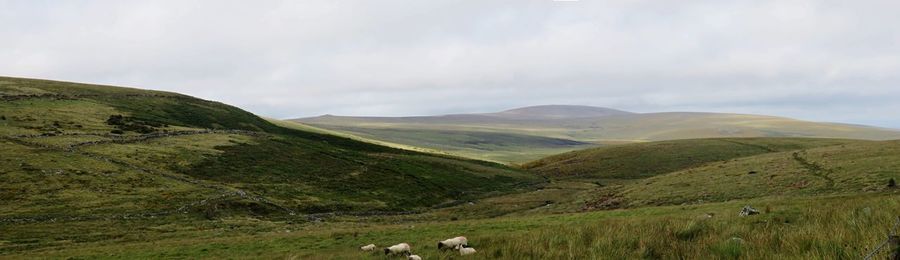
{"points": [[811, 228]]}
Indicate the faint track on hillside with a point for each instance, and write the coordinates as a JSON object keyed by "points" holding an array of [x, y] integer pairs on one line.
{"points": [[814, 168], [811, 167]]}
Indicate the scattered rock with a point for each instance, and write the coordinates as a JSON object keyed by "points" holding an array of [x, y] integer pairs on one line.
{"points": [[747, 211], [737, 240]]}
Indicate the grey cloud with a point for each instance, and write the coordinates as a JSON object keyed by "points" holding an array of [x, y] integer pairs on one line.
{"points": [[816, 60]]}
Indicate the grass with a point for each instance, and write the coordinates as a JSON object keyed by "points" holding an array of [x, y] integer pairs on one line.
{"points": [[60, 151], [799, 227], [631, 161], [337, 181], [213, 181], [841, 169], [49, 183]]}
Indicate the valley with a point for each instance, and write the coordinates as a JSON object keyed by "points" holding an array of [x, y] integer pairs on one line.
{"points": [[91, 171], [525, 134]]}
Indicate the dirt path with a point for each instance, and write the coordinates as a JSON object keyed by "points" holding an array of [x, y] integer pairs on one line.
{"points": [[814, 168]]}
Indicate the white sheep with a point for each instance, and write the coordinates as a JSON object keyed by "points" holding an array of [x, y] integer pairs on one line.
{"points": [[398, 249], [453, 243], [369, 247], [414, 257], [466, 250]]}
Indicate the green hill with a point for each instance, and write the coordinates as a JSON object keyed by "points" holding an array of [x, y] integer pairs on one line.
{"points": [[530, 133], [853, 168], [81, 151], [699, 171], [92, 171], [641, 160]]}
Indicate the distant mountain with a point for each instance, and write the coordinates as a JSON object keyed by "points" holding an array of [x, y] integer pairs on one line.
{"points": [[526, 130], [558, 112]]}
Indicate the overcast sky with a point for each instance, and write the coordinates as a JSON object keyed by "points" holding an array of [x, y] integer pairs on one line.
{"points": [[815, 60]]}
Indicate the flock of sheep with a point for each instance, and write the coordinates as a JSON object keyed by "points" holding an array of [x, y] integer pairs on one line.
{"points": [[457, 243]]}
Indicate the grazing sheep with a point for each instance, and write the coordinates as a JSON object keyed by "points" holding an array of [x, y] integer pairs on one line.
{"points": [[414, 257], [466, 250], [453, 243], [369, 247], [398, 249], [747, 211]]}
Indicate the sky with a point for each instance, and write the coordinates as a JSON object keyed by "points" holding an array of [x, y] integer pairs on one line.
{"points": [[833, 61]]}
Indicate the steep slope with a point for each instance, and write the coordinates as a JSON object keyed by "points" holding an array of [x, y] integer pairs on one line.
{"points": [[79, 151], [579, 127], [642, 160]]}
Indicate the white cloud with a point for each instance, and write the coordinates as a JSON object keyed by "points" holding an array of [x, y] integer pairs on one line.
{"points": [[818, 60]]}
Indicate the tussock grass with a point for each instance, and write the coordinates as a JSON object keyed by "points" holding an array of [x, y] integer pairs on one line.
{"points": [[836, 227]]}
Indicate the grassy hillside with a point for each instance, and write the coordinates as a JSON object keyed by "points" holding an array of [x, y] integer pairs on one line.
{"points": [[524, 134], [309, 128], [641, 160], [839, 169], [715, 170], [104, 172], [81, 151]]}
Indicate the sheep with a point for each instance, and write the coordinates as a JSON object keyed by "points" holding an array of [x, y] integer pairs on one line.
{"points": [[414, 257], [453, 243], [369, 247], [398, 249], [466, 250]]}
